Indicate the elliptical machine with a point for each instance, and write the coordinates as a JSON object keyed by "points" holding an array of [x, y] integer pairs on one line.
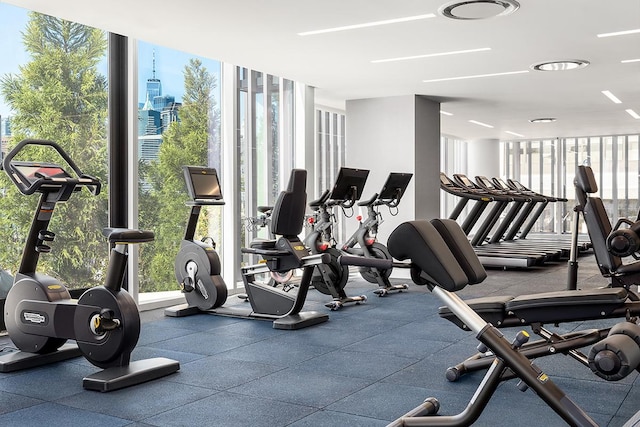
{"points": [[364, 242], [331, 278], [39, 313], [198, 268]]}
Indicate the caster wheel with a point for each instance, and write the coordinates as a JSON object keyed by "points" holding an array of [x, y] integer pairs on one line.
{"points": [[452, 374], [382, 292]]}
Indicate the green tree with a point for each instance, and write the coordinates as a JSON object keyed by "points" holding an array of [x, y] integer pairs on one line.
{"points": [[185, 142], [59, 95]]}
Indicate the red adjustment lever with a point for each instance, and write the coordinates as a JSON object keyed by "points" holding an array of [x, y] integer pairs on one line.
{"points": [[359, 218]]}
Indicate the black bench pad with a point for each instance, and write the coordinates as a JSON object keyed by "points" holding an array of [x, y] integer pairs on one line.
{"points": [[548, 307]]}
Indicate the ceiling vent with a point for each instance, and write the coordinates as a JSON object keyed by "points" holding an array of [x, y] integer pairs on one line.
{"points": [[543, 120], [478, 9], [564, 65]]}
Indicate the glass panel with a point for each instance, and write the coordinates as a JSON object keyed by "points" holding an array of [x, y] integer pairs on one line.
{"points": [[178, 125], [266, 146], [633, 176], [614, 160], [53, 86], [330, 149], [546, 222]]}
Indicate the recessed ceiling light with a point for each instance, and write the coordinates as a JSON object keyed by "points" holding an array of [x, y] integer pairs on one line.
{"points": [[475, 122], [475, 76], [543, 120], [628, 61], [431, 55], [632, 113], [445, 113], [619, 33], [563, 65], [514, 134], [478, 9], [368, 24], [611, 96]]}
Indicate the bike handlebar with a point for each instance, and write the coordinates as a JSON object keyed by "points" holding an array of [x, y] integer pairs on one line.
{"points": [[92, 184]]}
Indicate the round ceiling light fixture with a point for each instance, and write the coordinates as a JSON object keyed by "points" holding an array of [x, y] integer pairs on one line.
{"points": [[478, 9], [563, 65], [543, 120]]}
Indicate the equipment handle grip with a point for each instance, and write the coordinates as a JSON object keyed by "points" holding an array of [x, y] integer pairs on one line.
{"points": [[82, 179], [382, 264]]}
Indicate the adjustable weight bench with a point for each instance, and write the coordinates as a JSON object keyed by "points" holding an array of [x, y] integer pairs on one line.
{"points": [[536, 310], [435, 262]]}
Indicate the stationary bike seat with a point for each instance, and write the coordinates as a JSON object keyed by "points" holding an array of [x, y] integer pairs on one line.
{"points": [[128, 235], [262, 244]]}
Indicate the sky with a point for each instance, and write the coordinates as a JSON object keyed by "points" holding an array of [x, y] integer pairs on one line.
{"points": [[169, 63]]}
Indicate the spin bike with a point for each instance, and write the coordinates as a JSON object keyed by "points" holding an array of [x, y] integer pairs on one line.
{"points": [[363, 242], [198, 268], [331, 278], [39, 313]]}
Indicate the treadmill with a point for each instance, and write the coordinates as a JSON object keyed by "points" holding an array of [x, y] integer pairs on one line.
{"points": [[488, 256], [520, 230], [523, 202]]}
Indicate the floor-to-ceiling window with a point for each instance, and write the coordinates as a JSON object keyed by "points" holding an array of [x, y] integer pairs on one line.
{"points": [[53, 86], [178, 121], [549, 166]]}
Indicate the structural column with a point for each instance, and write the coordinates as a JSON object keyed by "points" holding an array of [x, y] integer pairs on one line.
{"points": [[484, 158], [397, 134]]}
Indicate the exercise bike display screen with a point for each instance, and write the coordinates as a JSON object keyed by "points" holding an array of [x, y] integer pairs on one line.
{"points": [[33, 171], [203, 183], [349, 180], [396, 185]]}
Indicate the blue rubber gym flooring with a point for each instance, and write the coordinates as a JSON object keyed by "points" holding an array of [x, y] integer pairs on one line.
{"points": [[365, 367]]}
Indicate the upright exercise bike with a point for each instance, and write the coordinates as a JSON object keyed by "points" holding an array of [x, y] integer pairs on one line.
{"points": [[39, 313], [331, 278], [364, 241], [198, 268]]}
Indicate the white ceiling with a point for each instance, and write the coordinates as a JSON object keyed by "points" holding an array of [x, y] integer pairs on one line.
{"points": [[263, 35]]}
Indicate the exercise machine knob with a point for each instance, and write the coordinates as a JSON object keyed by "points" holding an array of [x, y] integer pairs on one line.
{"points": [[521, 338], [104, 322]]}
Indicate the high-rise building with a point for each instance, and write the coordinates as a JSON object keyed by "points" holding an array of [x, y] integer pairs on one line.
{"points": [[154, 86], [169, 114], [154, 117], [160, 102], [149, 121]]}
